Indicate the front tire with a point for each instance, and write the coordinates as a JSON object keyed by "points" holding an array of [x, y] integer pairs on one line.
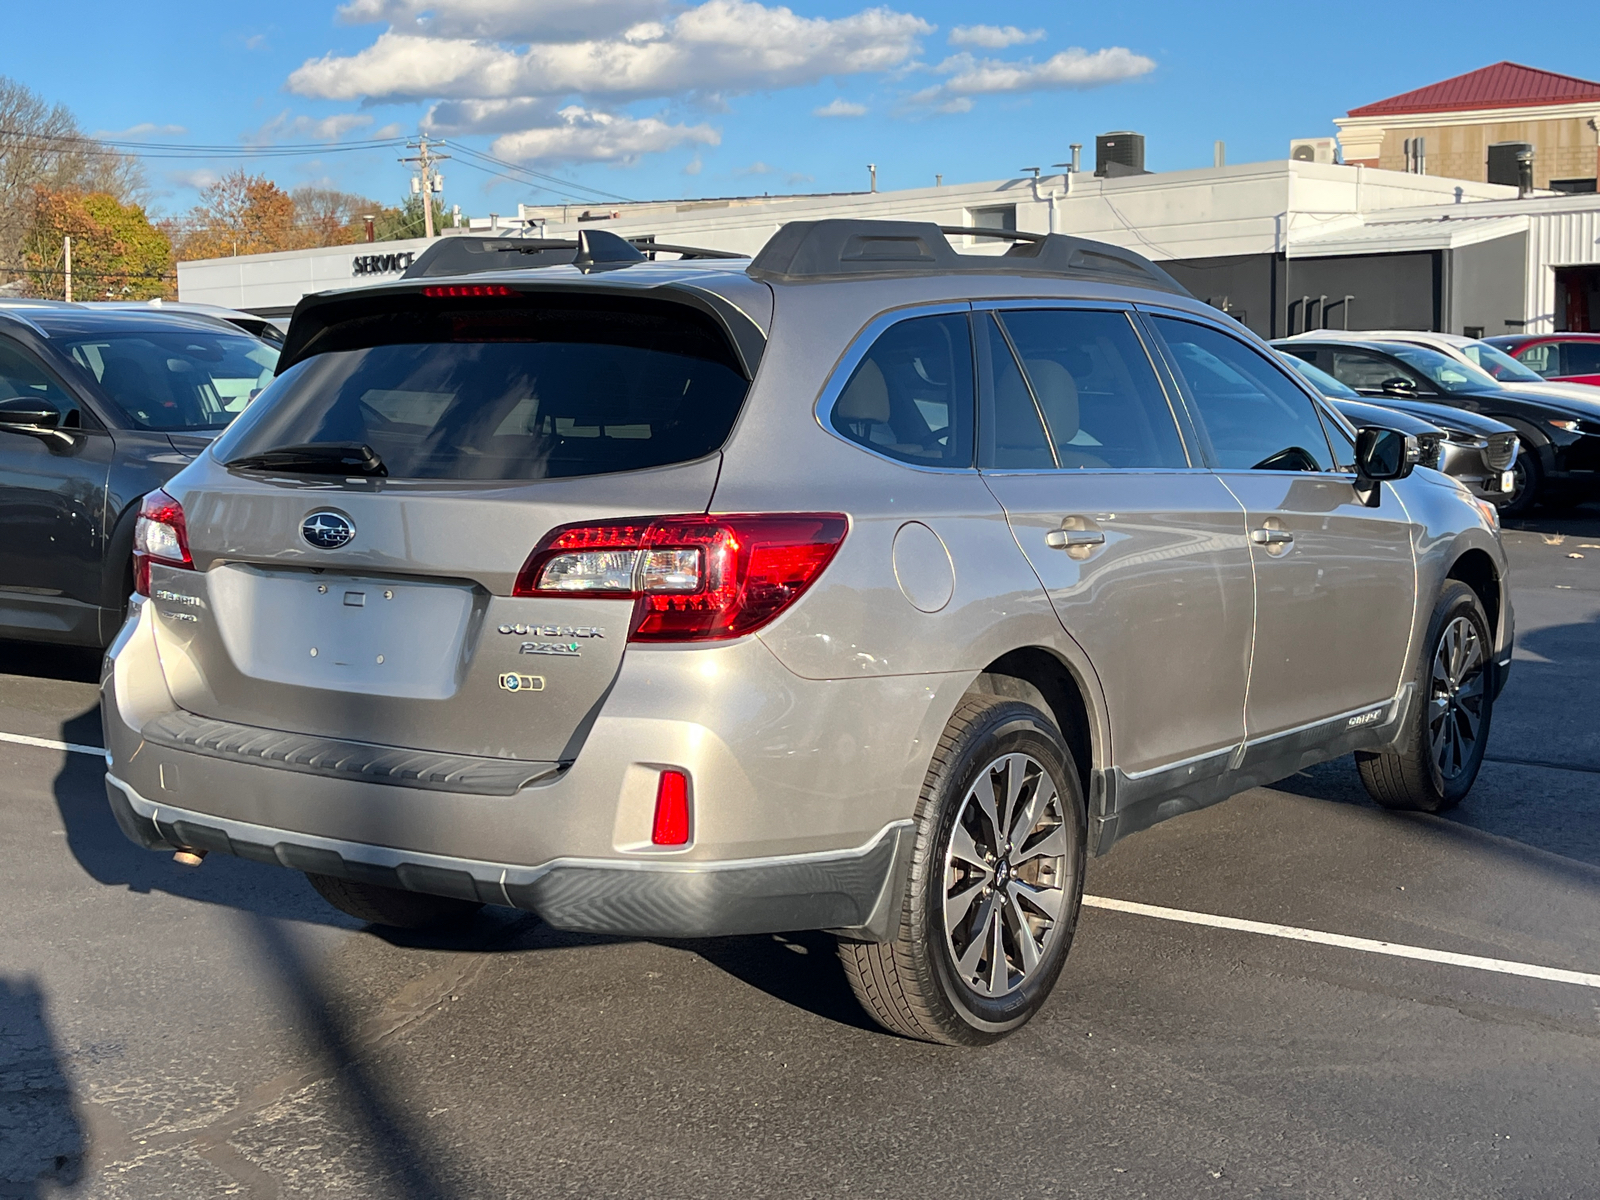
{"points": [[393, 907], [996, 883], [1528, 482], [1455, 703]]}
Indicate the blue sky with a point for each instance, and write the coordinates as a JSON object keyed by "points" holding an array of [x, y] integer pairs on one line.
{"points": [[656, 98]]}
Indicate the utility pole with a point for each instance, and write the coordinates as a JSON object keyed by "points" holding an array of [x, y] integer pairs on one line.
{"points": [[430, 181], [66, 247]]}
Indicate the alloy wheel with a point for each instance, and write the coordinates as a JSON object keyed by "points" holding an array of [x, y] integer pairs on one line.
{"points": [[1005, 875], [1456, 698]]}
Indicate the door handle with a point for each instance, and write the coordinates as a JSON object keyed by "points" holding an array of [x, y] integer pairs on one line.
{"points": [[1271, 537], [1071, 539]]}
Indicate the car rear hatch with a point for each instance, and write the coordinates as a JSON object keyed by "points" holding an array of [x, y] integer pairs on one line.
{"points": [[348, 604]]}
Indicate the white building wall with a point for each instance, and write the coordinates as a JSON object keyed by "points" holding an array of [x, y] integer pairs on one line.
{"points": [[1253, 208], [1559, 239]]}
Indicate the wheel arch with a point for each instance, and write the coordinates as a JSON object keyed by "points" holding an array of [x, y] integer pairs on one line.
{"points": [[1041, 676], [1475, 568]]}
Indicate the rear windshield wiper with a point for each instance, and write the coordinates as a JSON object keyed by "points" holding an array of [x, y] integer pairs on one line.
{"points": [[316, 458]]}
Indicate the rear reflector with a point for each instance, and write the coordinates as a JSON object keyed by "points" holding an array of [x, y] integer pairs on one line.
{"points": [[159, 536], [692, 578], [671, 827], [442, 291]]}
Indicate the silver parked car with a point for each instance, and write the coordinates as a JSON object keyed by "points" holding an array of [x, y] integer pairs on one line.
{"points": [[867, 586]]}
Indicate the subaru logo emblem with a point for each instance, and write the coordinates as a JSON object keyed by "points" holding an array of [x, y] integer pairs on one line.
{"points": [[327, 530]]}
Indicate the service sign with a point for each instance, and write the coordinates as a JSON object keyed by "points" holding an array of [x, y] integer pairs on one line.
{"points": [[382, 264]]}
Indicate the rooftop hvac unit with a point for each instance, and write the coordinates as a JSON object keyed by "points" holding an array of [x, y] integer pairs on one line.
{"points": [[1318, 150], [1503, 158], [1120, 153]]}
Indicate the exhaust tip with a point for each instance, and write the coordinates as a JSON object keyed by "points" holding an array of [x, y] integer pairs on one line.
{"points": [[189, 858]]}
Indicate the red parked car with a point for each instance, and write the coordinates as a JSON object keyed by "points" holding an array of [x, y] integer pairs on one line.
{"points": [[1559, 357]]}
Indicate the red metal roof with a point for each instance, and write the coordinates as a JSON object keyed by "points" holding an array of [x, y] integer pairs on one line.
{"points": [[1504, 85]]}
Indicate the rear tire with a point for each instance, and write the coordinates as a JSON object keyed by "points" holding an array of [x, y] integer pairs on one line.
{"points": [[393, 907], [1455, 702], [996, 883], [1529, 483]]}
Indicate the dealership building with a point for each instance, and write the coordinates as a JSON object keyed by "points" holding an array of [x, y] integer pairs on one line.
{"points": [[1283, 246]]}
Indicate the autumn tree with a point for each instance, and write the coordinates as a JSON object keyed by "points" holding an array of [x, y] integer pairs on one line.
{"points": [[239, 214], [116, 253], [42, 146], [332, 218]]}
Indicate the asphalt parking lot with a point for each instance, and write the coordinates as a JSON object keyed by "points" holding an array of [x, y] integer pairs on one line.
{"points": [[221, 1031]]}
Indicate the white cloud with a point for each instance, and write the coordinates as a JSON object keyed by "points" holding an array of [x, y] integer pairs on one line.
{"points": [[508, 20], [587, 136], [142, 129], [199, 178], [1074, 68], [719, 46], [840, 108], [256, 41], [993, 37], [283, 127], [694, 166]]}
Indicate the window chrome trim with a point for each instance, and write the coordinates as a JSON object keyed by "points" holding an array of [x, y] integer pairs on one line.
{"points": [[845, 366]]}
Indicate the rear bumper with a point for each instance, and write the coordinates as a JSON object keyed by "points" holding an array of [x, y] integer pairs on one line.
{"points": [[799, 789], [852, 891]]}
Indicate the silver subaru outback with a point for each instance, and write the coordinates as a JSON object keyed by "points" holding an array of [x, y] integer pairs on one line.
{"points": [[865, 586]]}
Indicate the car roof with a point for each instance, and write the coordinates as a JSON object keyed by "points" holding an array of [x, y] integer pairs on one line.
{"points": [[1385, 335], [67, 320]]}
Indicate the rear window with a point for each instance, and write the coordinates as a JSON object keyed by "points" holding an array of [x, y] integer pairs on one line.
{"points": [[511, 391]]}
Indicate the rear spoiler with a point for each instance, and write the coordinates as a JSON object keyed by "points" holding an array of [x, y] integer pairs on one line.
{"points": [[319, 313]]}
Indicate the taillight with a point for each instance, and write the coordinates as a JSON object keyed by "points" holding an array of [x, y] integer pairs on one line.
{"points": [[159, 536], [692, 578]]}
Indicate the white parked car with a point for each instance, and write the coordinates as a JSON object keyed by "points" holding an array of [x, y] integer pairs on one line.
{"points": [[1475, 352]]}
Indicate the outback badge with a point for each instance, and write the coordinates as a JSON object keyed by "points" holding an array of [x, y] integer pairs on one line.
{"points": [[511, 681]]}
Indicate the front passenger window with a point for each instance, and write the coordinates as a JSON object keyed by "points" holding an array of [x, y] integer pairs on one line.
{"points": [[1256, 417], [911, 397]]}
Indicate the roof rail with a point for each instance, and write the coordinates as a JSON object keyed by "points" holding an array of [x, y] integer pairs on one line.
{"points": [[810, 250], [592, 248]]}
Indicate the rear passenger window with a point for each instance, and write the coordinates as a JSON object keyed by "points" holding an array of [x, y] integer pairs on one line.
{"points": [[1013, 431], [911, 397], [1096, 389], [1580, 358]]}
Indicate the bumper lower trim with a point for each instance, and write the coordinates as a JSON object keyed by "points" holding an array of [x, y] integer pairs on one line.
{"points": [[848, 890]]}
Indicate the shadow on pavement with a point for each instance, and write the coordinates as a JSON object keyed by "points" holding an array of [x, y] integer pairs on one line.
{"points": [[41, 1141], [1540, 781], [800, 969], [391, 1133]]}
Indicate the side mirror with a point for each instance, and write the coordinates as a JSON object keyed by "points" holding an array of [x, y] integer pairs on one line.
{"points": [[1382, 454], [36, 418], [22, 414], [1399, 386]]}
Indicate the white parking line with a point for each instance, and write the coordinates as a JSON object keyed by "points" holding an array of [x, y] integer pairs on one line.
{"points": [[1394, 949], [23, 739]]}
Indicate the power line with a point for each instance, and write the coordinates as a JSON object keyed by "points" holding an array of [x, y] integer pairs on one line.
{"points": [[136, 149]]}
